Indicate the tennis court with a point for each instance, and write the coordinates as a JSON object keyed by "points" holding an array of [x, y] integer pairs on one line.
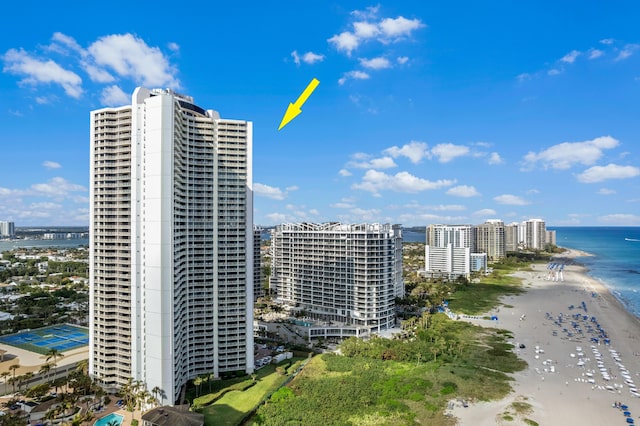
{"points": [[62, 337]]}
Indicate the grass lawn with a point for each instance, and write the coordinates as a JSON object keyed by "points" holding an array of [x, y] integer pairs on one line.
{"points": [[479, 298], [234, 405]]}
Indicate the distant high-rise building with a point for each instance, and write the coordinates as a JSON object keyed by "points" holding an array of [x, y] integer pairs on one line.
{"points": [[459, 236], [339, 272], [171, 243], [448, 250], [489, 238], [535, 234], [7, 230], [550, 237], [511, 239]]}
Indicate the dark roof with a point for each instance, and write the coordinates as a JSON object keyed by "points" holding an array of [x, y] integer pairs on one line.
{"points": [[178, 415]]}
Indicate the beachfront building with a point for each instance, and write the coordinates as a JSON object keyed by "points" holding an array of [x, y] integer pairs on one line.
{"points": [[512, 236], [337, 272], [535, 234], [448, 250], [171, 243], [7, 230], [550, 237], [489, 238]]}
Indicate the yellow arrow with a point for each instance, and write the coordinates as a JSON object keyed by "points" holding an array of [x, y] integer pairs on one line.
{"points": [[293, 110]]}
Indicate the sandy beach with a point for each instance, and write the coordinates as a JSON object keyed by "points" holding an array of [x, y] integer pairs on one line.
{"points": [[574, 375]]}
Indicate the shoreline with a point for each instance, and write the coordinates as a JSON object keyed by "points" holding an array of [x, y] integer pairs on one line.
{"points": [[570, 379], [627, 305]]}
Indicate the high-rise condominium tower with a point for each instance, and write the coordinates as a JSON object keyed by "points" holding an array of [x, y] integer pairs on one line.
{"points": [[339, 272], [171, 243]]}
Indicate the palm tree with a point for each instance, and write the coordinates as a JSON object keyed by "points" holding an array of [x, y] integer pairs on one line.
{"points": [[55, 354], [4, 376], [45, 369], [83, 366], [197, 382], [155, 391], [27, 376], [13, 368]]}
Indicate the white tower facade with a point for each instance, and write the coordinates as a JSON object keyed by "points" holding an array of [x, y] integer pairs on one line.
{"points": [[171, 243]]}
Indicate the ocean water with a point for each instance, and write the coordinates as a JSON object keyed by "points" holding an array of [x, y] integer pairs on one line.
{"points": [[615, 261], [71, 243]]}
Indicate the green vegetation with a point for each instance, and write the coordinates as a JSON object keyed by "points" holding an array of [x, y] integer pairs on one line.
{"points": [[522, 407], [232, 402], [530, 422], [474, 299], [398, 381]]}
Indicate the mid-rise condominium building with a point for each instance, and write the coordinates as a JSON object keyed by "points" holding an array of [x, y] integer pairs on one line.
{"points": [[7, 229], [535, 234], [171, 243], [349, 274], [448, 250], [489, 238]]}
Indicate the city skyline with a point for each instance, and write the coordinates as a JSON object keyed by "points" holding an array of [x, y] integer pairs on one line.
{"points": [[424, 113]]}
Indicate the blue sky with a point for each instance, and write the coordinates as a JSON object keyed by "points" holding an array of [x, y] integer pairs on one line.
{"points": [[426, 112]]}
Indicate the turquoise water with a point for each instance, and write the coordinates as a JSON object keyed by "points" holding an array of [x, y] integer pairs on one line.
{"points": [[616, 260], [109, 418]]}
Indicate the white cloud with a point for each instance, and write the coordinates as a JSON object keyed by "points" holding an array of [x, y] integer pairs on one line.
{"points": [[369, 27], [174, 47], [463, 191], [607, 41], [68, 41], [494, 158], [485, 212], [375, 163], [606, 191], [415, 151], [131, 57], [399, 27], [344, 172], [97, 74], [620, 219], [269, 191], [375, 63], [369, 12], [309, 58], [374, 181], [57, 187], [523, 77], [277, 218], [365, 29], [509, 199], [345, 41], [448, 151], [595, 53], [342, 205], [113, 96], [355, 75], [627, 51], [51, 165], [610, 171], [36, 71], [292, 188], [570, 57], [45, 205], [554, 71], [567, 154], [402, 59]]}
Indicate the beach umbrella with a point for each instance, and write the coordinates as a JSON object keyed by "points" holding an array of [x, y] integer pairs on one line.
{"points": [[626, 413]]}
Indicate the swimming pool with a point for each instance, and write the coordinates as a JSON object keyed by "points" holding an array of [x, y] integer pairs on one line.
{"points": [[109, 418]]}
